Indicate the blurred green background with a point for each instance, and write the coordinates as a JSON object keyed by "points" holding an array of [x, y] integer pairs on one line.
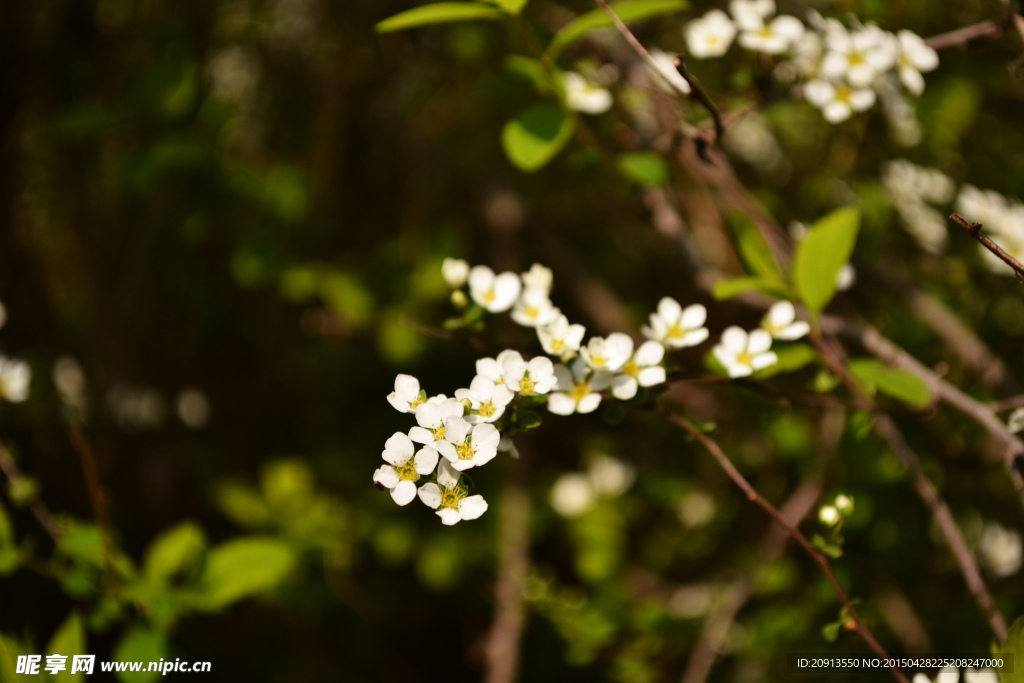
{"points": [[231, 215]]}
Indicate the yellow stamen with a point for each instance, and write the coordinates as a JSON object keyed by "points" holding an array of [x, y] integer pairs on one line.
{"points": [[486, 410], [598, 361], [526, 385], [745, 358], [439, 433], [531, 311], [631, 368], [580, 392], [676, 332], [407, 471], [489, 296], [464, 451], [557, 345]]}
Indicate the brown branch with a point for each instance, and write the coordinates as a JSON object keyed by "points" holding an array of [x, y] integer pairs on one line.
{"points": [[723, 461], [974, 229], [37, 507], [97, 496], [961, 36], [1007, 404], [945, 522]]}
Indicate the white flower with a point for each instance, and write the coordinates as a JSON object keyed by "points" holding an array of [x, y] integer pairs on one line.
{"points": [[642, 370], [431, 418], [858, 57], [506, 445], [560, 337], [493, 368], [838, 102], [667, 77], [607, 354], [585, 97], [914, 57], [403, 468], [1000, 549], [828, 515], [773, 38], [455, 272], [983, 676], [677, 327], [495, 293], [534, 309], [1016, 421], [710, 36], [844, 505], [609, 476], [742, 354], [572, 495], [407, 396], [15, 378], [529, 379], [486, 398], [467, 445], [538, 277], [846, 277], [576, 390], [451, 497], [781, 322]]}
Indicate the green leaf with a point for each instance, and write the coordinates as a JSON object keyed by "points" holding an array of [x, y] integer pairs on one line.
{"points": [[9, 651], [6, 530], [895, 382], [1013, 645], [628, 10], [831, 631], [753, 247], [791, 358], [727, 288], [510, 6], [439, 13], [140, 645], [245, 567], [529, 420], [534, 137], [242, 505], [820, 256], [531, 70], [645, 168], [68, 640], [174, 550]]}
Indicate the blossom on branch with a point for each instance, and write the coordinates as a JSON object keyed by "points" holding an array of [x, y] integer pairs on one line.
{"points": [[577, 390], [710, 36], [404, 468], [743, 353], [585, 97], [466, 445], [559, 337], [643, 369], [496, 293], [487, 399], [677, 327], [781, 322], [450, 498]]}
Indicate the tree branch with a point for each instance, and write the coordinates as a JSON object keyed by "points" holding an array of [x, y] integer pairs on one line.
{"points": [[974, 229], [38, 507]]}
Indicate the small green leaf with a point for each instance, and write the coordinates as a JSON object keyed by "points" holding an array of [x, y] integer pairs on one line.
{"points": [[791, 358], [140, 645], [831, 631], [242, 505], [645, 168], [821, 255], [727, 288], [439, 13], [628, 10], [510, 6], [534, 137], [10, 649], [1013, 645], [174, 550], [68, 640], [530, 69], [753, 247], [244, 567], [529, 420], [895, 382]]}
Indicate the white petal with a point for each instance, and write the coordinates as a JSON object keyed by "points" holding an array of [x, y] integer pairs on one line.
{"points": [[795, 331], [428, 415], [649, 353], [398, 449], [588, 403], [649, 377], [738, 370], [400, 405], [407, 386], [759, 341], [489, 368], [601, 381], [836, 112], [624, 387], [456, 429], [506, 291], [563, 377], [692, 338], [461, 465], [449, 516], [561, 404], [447, 450], [819, 92], [447, 476], [430, 494], [385, 476], [472, 507], [481, 387], [763, 360], [781, 314], [501, 397], [862, 99], [404, 492], [540, 367], [485, 436], [421, 435], [426, 460], [669, 310], [789, 27], [481, 278], [734, 339], [482, 456]]}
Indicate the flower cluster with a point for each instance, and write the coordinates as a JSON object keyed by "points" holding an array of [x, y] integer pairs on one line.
{"points": [[842, 70], [912, 190], [455, 434], [15, 374]]}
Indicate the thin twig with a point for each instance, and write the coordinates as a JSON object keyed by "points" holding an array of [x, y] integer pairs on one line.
{"points": [[1007, 404], [974, 229], [723, 461], [97, 496], [961, 36], [38, 507]]}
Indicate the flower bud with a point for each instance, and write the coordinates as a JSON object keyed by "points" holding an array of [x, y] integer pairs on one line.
{"points": [[828, 515], [459, 299], [455, 272], [844, 505]]}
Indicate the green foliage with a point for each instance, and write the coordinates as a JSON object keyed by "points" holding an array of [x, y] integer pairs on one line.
{"points": [[243, 568], [895, 382], [140, 645], [68, 640], [822, 254], [628, 10], [9, 651], [792, 357], [753, 248], [1013, 645], [175, 551], [510, 6], [534, 137], [440, 13], [644, 168], [727, 288]]}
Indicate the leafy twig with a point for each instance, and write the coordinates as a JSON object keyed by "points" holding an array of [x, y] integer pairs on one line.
{"points": [[974, 229]]}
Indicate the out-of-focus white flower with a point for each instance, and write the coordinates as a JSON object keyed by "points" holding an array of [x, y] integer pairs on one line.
{"points": [[1000, 549], [69, 378], [607, 354], [534, 308], [844, 505], [1003, 220], [404, 468], [743, 353], [710, 36], [528, 378], [486, 398], [576, 389], [407, 396], [804, 62], [493, 368], [858, 57], [774, 37], [828, 515], [193, 408], [752, 140], [667, 77], [15, 378], [431, 418], [697, 508], [949, 674], [983, 676], [914, 58], [455, 272], [450, 498], [572, 495], [559, 337], [467, 445], [838, 101], [781, 322], [496, 293], [136, 407], [506, 445], [846, 277], [910, 188], [1016, 421], [584, 96], [538, 277], [610, 477], [677, 327], [642, 370]]}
